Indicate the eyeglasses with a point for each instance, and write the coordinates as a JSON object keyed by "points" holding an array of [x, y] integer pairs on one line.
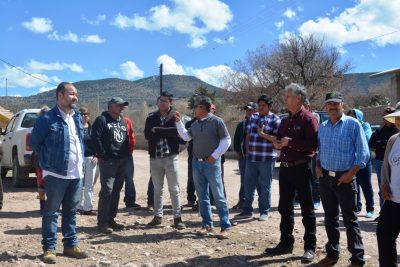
{"points": [[85, 114]]}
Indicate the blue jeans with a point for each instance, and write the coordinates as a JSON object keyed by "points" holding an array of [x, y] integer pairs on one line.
{"points": [[378, 169], [364, 181], [258, 175], [65, 192], [205, 174], [130, 192]]}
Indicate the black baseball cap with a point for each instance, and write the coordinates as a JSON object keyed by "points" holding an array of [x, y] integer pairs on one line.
{"points": [[118, 101], [250, 105], [334, 97]]}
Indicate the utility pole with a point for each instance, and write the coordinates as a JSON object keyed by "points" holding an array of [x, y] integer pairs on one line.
{"points": [[161, 76], [6, 93]]}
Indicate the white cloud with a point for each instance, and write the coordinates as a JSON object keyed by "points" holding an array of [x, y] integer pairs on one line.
{"points": [[73, 37], [17, 78], [169, 65], [99, 19], [44, 25], [289, 13], [131, 71], [94, 38], [279, 24], [38, 25], [228, 40], [367, 19], [45, 89], [16, 95], [195, 18], [213, 75], [41, 66]]}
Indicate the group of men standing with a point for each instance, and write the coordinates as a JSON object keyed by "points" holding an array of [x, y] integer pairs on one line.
{"points": [[341, 143]]}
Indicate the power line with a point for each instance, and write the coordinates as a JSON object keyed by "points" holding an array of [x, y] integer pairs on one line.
{"points": [[25, 72]]}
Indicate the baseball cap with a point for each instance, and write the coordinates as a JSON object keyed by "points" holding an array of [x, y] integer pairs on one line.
{"points": [[334, 97], [250, 105], [118, 101]]}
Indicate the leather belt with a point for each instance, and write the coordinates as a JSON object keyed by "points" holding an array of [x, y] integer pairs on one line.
{"points": [[201, 159], [293, 163], [333, 173]]}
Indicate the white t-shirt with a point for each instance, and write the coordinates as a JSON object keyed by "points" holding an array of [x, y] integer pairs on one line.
{"points": [[75, 160], [394, 162]]}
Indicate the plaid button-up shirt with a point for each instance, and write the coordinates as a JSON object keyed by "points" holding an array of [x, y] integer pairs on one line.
{"points": [[259, 148]]}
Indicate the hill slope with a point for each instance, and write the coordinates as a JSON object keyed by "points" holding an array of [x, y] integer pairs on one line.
{"points": [[91, 92]]}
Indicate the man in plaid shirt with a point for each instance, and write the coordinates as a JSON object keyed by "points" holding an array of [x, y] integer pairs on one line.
{"points": [[260, 159]]}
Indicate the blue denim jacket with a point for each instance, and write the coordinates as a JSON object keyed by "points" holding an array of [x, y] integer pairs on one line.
{"points": [[50, 140]]}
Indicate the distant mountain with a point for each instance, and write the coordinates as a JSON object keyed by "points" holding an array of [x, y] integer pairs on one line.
{"points": [[147, 89], [91, 92], [362, 82]]}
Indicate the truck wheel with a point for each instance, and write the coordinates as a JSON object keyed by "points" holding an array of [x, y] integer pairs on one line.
{"points": [[20, 175], [3, 172]]}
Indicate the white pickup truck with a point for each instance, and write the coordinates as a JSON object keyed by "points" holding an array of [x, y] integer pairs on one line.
{"points": [[17, 155]]}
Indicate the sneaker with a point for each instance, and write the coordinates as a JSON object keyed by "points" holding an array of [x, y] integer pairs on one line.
{"points": [[327, 262], [150, 207], [263, 217], [116, 226], [89, 213], [376, 219], [369, 214], [190, 204], [105, 229], [49, 256], [205, 231], [308, 256], [75, 252], [279, 250], [244, 215], [178, 224], [155, 222], [238, 206], [134, 206], [79, 211], [225, 234], [317, 204]]}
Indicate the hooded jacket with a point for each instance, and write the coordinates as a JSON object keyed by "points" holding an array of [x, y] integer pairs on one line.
{"points": [[365, 125], [111, 137]]}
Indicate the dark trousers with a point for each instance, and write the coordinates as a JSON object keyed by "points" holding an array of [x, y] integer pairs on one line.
{"points": [[1, 192], [387, 232], [191, 196], [130, 191], [112, 176], [242, 170], [315, 180], [150, 193], [364, 181], [292, 179], [332, 197]]}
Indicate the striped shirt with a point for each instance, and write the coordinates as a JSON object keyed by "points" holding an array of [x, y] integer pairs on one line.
{"points": [[259, 148], [343, 145]]}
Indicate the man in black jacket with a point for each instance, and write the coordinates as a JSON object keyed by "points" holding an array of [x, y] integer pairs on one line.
{"points": [[110, 139], [163, 138]]}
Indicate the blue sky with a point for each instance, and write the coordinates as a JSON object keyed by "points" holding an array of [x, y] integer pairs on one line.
{"points": [[85, 40]]}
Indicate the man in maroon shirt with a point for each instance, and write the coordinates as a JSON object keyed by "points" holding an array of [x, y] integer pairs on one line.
{"points": [[297, 140]]}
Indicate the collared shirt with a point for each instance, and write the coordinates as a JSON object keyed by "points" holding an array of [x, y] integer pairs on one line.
{"points": [[302, 128], [261, 149], [343, 145], [75, 160]]}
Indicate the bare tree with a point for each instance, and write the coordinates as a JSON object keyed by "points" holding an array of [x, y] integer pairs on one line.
{"points": [[305, 60]]}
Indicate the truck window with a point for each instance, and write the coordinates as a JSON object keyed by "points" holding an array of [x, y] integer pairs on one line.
{"points": [[10, 125], [29, 120]]}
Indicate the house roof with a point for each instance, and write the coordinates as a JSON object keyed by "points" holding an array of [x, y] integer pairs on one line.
{"points": [[385, 72], [5, 116]]}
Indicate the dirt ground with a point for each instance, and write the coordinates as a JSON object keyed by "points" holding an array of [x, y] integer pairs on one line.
{"points": [[20, 231]]}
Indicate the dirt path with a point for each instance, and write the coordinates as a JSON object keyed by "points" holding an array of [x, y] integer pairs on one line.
{"points": [[20, 232]]}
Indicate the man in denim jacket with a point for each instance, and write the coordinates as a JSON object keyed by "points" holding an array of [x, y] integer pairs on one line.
{"points": [[57, 139]]}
